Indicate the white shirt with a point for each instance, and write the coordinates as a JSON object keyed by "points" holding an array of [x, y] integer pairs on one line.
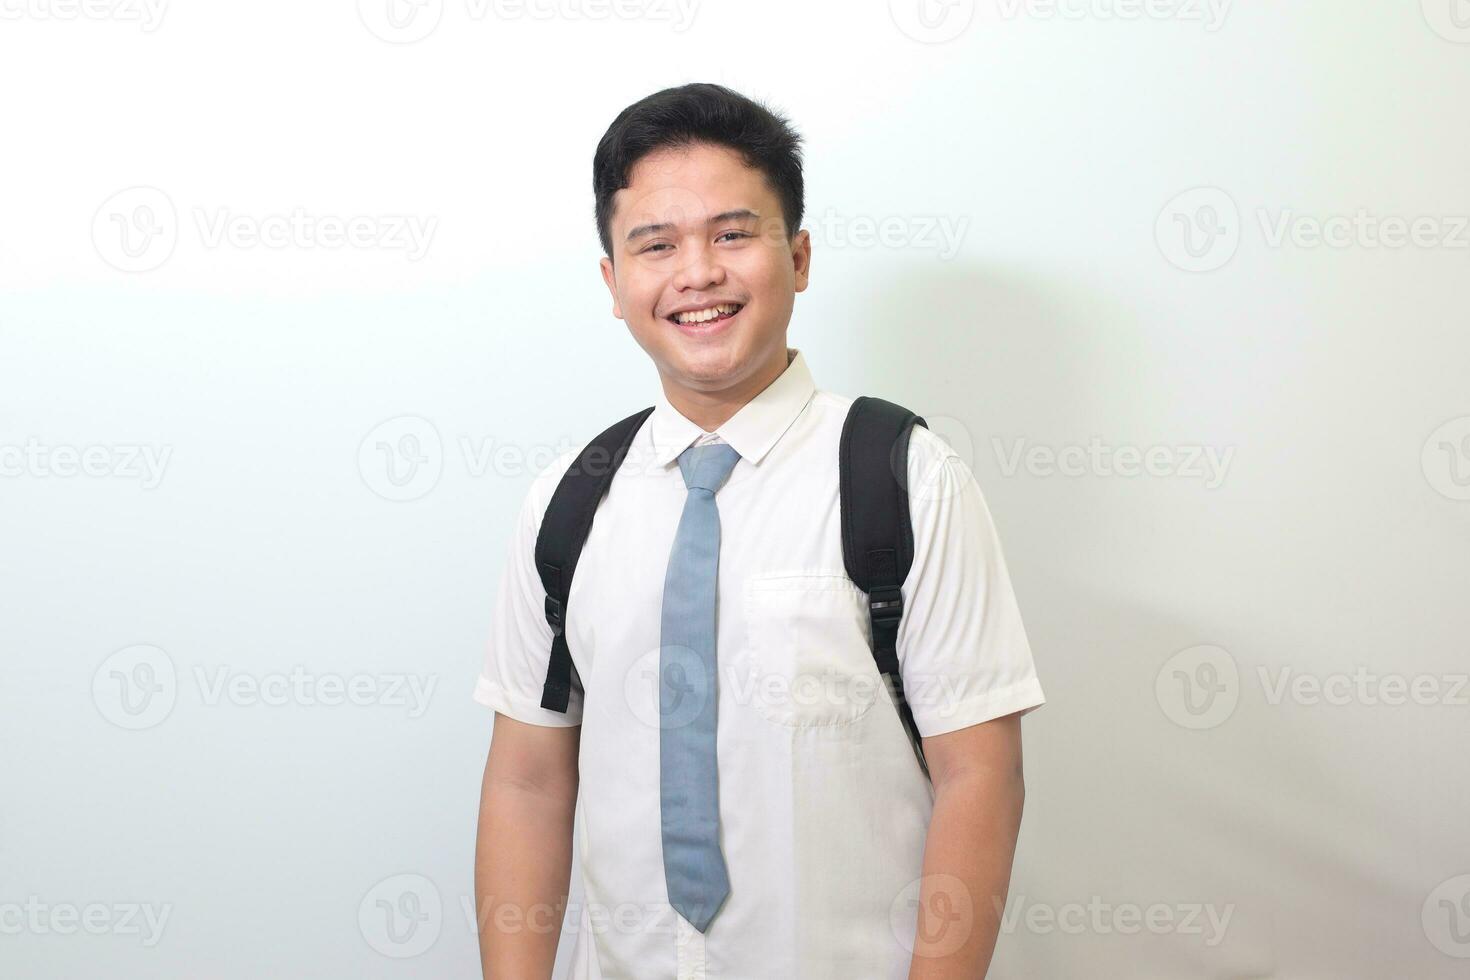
{"points": [[823, 807]]}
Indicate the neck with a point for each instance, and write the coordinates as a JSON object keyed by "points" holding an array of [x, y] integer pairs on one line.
{"points": [[711, 409]]}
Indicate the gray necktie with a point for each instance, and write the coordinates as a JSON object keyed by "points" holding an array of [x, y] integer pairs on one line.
{"points": [[694, 869]]}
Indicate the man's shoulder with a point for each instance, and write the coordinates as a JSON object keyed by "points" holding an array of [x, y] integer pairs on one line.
{"points": [[929, 444], [924, 443], [545, 482]]}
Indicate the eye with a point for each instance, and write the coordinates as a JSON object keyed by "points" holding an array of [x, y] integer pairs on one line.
{"points": [[741, 234], [654, 246]]}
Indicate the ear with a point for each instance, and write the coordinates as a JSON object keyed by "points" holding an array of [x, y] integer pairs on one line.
{"points": [[801, 258], [609, 277]]}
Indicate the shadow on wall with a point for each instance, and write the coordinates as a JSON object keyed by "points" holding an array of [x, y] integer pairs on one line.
{"points": [[1251, 837]]}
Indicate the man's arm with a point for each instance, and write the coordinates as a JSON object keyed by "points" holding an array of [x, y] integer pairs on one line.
{"points": [[978, 796], [523, 850]]}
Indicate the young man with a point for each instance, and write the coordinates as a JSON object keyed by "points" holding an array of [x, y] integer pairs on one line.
{"points": [[750, 803]]}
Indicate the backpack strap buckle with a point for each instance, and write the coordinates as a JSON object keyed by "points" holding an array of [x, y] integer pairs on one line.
{"points": [[885, 610], [885, 604], [555, 615]]}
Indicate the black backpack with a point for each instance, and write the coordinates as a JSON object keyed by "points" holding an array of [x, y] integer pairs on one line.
{"points": [[877, 536]]}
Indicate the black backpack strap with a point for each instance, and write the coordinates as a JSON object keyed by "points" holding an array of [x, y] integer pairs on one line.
{"points": [[877, 535], [559, 542]]}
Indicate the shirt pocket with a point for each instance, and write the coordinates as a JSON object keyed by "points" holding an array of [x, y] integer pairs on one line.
{"points": [[809, 659]]}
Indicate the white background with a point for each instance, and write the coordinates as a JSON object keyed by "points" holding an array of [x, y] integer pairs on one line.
{"points": [[284, 391]]}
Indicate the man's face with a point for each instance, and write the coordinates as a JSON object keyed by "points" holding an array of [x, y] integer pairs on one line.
{"points": [[696, 229]]}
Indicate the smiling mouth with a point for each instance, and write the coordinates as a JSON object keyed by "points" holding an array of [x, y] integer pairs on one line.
{"points": [[712, 314]]}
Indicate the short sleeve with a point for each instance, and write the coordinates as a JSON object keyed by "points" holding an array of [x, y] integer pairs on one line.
{"points": [[962, 649], [519, 646]]}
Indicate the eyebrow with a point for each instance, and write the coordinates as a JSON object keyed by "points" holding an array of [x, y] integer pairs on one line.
{"points": [[738, 214]]}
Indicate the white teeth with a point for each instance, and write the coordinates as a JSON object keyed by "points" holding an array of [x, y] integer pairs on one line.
{"points": [[700, 316]]}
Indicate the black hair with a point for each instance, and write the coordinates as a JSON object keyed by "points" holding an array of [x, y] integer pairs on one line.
{"points": [[700, 112]]}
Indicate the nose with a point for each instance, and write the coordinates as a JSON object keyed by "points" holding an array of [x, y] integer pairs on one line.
{"points": [[700, 270]]}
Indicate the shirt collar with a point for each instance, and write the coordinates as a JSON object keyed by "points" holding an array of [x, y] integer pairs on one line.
{"points": [[752, 431]]}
